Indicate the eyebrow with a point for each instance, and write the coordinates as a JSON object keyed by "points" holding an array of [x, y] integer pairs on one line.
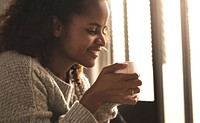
{"points": [[95, 24]]}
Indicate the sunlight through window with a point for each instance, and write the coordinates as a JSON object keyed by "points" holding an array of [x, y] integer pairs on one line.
{"points": [[139, 49], [172, 69], [194, 25], [118, 30], [139, 40]]}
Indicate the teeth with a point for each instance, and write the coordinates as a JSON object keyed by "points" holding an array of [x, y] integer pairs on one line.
{"points": [[95, 52]]}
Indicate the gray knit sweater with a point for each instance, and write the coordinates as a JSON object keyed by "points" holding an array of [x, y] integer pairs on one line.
{"points": [[30, 93]]}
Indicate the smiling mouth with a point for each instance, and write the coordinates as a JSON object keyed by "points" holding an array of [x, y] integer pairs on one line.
{"points": [[94, 52]]}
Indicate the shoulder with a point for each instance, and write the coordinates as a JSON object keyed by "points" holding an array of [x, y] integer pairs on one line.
{"points": [[25, 73], [11, 58], [13, 64], [25, 85], [20, 68]]}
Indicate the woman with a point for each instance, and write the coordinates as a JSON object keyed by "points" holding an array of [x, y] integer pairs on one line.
{"points": [[44, 46]]}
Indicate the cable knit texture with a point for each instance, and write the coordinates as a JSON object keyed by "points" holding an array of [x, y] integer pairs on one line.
{"points": [[30, 93]]}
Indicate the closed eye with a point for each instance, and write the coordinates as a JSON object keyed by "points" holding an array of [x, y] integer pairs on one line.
{"points": [[91, 32]]}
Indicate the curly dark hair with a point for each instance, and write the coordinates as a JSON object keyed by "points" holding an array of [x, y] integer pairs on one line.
{"points": [[27, 27]]}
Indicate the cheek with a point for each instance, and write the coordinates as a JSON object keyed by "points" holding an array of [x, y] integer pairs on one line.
{"points": [[77, 44], [76, 40]]}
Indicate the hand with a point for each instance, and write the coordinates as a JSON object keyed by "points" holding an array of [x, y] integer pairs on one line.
{"points": [[111, 87]]}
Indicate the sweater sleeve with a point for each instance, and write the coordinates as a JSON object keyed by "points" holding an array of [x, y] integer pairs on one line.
{"points": [[77, 114], [29, 95], [58, 104], [17, 103], [39, 103], [107, 111]]}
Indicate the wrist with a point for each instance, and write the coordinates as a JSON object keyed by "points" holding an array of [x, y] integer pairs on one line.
{"points": [[90, 102]]}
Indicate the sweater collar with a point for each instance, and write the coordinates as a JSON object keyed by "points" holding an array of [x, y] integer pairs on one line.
{"points": [[62, 84]]}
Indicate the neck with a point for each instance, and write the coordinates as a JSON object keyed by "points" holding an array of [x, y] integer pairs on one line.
{"points": [[59, 66]]}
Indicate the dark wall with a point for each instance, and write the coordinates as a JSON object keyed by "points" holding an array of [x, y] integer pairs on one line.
{"points": [[142, 112], [3, 5]]}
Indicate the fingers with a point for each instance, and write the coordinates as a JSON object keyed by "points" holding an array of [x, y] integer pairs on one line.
{"points": [[132, 91], [130, 94], [121, 87], [132, 100], [129, 99], [129, 76], [132, 83], [132, 97], [129, 81], [114, 67]]}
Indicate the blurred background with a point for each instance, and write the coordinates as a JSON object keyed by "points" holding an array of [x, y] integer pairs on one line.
{"points": [[162, 36]]}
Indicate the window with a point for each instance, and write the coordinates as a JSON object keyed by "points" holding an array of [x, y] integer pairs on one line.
{"points": [[173, 66], [171, 26], [194, 26], [131, 34]]}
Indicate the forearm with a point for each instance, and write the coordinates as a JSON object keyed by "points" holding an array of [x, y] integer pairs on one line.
{"points": [[106, 112], [78, 114]]}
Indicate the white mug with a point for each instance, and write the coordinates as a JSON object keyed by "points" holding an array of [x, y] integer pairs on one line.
{"points": [[131, 68]]}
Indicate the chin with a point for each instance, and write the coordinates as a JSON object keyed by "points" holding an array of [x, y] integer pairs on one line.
{"points": [[89, 64]]}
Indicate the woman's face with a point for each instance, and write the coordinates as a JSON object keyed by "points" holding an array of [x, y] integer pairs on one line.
{"points": [[82, 40]]}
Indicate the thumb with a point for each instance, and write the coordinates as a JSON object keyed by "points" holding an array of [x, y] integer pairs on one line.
{"points": [[114, 67]]}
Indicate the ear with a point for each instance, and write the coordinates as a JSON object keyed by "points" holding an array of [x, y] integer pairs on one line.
{"points": [[57, 26]]}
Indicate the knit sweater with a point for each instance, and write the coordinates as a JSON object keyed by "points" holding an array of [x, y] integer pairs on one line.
{"points": [[30, 93]]}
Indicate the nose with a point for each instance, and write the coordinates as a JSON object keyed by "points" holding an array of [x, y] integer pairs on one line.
{"points": [[100, 40]]}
